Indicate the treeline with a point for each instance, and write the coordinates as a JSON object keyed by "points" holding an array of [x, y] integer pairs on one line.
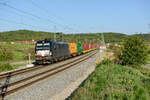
{"points": [[23, 35], [28, 35]]}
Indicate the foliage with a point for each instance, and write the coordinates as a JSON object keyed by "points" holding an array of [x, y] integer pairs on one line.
{"points": [[145, 37], [115, 82], [134, 52], [5, 54], [106, 62], [22, 35], [5, 67]]}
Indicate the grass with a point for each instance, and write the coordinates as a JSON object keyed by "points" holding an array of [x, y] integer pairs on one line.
{"points": [[6, 67], [18, 50], [19, 53], [115, 82]]}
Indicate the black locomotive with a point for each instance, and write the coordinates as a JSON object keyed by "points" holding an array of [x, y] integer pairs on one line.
{"points": [[47, 51]]}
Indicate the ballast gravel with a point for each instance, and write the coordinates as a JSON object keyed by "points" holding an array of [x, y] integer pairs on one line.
{"points": [[60, 86]]}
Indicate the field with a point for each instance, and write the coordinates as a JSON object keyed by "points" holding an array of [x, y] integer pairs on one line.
{"points": [[115, 82], [18, 50], [19, 56]]}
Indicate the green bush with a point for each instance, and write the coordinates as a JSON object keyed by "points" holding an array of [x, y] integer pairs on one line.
{"points": [[5, 54], [134, 52], [106, 61], [5, 67]]}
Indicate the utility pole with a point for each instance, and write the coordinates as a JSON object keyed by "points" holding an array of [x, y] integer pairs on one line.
{"points": [[55, 32], [97, 38], [103, 40], [79, 38]]}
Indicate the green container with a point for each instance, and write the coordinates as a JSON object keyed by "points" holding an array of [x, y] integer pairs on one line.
{"points": [[79, 47]]}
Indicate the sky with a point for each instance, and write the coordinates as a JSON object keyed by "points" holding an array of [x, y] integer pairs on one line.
{"points": [[76, 16]]}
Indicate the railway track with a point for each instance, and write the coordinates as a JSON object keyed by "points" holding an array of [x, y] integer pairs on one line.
{"points": [[24, 70], [16, 85]]}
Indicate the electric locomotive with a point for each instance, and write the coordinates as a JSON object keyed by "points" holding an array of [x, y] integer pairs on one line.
{"points": [[47, 51]]}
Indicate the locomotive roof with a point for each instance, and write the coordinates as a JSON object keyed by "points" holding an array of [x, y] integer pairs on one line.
{"points": [[63, 42], [52, 41]]}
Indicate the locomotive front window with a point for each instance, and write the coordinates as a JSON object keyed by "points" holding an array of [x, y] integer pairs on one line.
{"points": [[46, 46], [42, 46], [39, 46]]}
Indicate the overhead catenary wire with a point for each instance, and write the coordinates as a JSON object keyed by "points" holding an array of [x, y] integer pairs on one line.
{"points": [[21, 16], [15, 13], [22, 11], [53, 15], [35, 16], [2, 19], [44, 10]]}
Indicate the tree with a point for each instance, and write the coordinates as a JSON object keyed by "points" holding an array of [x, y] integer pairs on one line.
{"points": [[134, 52]]}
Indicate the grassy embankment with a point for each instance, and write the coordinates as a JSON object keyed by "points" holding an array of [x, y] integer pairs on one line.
{"points": [[115, 82], [19, 53]]}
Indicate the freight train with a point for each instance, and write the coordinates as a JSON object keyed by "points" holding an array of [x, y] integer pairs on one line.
{"points": [[49, 51]]}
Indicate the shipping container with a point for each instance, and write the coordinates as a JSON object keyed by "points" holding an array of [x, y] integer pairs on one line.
{"points": [[72, 48], [92, 46], [79, 47], [84, 47], [87, 46]]}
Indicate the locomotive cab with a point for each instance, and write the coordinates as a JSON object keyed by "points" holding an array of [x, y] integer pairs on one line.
{"points": [[43, 51]]}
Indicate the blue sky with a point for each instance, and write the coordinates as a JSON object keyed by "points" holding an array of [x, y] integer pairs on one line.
{"points": [[124, 16]]}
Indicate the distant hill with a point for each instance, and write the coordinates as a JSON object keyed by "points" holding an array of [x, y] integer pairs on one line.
{"points": [[145, 37], [23, 35], [20, 35], [114, 37]]}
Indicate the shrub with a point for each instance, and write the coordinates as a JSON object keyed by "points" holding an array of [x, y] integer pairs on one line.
{"points": [[134, 52], [5, 54], [105, 61], [5, 67]]}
